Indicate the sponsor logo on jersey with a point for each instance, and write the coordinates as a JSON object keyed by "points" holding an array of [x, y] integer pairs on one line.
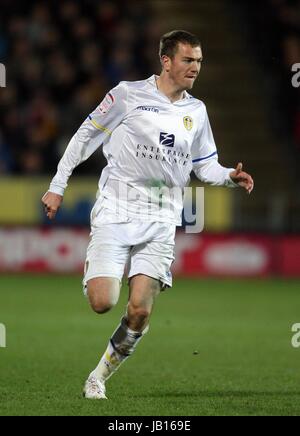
{"points": [[107, 103], [188, 123], [147, 108], [166, 139], [172, 155]]}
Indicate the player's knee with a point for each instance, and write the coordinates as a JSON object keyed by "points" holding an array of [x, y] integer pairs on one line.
{"points": [[138, 315], [103, 295], [100, 306]]}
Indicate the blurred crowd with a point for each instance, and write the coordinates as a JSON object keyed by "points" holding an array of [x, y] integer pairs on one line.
{"points": [[61, 57], [276, 36]]}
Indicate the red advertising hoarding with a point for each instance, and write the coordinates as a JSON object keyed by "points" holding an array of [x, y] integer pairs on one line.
{"points": [[64, 250], [224, 255], [289, 260]]}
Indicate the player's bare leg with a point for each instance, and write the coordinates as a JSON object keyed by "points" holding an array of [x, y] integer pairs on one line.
{"points": [[133, 326], [143, 291], [103, 294]]}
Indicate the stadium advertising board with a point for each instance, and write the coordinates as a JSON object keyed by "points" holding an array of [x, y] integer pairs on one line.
{"points": [[23, 205], [63, 250]]}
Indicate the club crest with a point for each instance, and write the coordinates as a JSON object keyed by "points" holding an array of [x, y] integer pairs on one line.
{"points": [[188, 123]]}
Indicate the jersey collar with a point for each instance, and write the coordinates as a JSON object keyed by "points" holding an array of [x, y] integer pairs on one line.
{"points": [[152, 81]]}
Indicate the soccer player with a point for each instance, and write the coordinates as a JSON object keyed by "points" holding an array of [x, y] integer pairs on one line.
{"points": [[154, 134]]}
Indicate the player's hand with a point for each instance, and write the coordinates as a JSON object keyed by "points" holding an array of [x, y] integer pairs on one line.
{"points": [[242, 179], [51, 203]]}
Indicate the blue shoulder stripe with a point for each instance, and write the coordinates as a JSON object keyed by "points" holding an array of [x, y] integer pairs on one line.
{"points": [[206, 157]]}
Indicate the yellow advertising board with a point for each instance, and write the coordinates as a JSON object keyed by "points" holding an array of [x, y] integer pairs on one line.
{"points": [[21, 202], [21, 198]]}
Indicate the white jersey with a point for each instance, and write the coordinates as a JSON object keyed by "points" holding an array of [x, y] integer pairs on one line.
{"points": [[150, 143]]}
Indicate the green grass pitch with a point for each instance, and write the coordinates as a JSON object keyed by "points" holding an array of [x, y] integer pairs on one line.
{"points": [[215, 347]]}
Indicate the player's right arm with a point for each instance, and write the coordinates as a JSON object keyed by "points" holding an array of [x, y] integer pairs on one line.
{"points": [[51, 203], [95, 130]]}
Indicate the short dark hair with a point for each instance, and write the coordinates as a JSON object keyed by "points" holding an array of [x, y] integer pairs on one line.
{"points": [[169, 42]]}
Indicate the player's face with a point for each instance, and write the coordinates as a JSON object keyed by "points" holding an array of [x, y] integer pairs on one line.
{"points": [[185, 66]]}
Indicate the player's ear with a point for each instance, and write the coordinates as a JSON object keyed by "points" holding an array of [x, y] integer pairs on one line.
{"points": [[166, 62]]}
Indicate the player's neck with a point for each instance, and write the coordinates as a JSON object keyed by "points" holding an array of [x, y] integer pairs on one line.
{"points": [[168, 88]]}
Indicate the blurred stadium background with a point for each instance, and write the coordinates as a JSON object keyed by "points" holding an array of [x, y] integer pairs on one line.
{"points": [[62, 56]]}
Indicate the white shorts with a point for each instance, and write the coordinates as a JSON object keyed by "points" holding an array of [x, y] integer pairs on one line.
{"points": [[132, 246]]}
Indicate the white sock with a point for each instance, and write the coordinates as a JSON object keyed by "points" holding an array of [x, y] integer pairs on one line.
{"points": [[121, 345]]}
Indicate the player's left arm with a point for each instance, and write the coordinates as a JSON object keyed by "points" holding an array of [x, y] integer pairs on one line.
{"points": [[242, 179], [205, 161], [211, 172]]}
